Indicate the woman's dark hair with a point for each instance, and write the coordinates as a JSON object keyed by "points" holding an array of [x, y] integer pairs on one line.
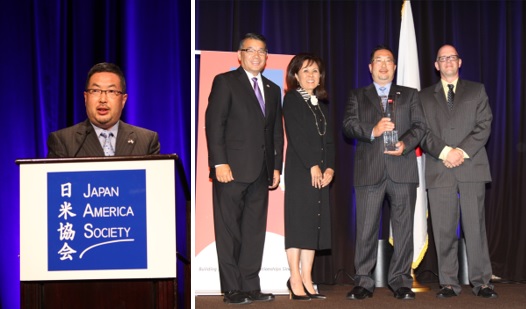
{"points": [[295, 66]]}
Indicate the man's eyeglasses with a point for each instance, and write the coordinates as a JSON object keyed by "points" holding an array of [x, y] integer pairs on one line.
{"points": [[380, 60], [251, 51], [109, 92], [446, 58]]}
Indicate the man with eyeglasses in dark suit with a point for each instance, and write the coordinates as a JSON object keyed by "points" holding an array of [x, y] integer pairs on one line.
{"points": [[380, 173], [103, 133], [244, 134]]}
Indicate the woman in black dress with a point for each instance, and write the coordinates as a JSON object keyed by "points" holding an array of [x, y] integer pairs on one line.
{"points": [[309, 169]]}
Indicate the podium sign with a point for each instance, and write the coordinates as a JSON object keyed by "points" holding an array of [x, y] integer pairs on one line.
{"points": [[105, 218]]}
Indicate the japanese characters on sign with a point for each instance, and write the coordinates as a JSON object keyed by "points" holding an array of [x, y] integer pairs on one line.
{"points": [[97, 220]]}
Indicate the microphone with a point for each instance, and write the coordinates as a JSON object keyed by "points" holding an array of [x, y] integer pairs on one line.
{"points": [[88, 131]]}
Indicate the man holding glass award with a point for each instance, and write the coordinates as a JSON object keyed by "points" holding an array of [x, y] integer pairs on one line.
{"points": [[388, 123]]}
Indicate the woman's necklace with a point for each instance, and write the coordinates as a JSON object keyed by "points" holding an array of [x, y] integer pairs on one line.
{"points": [[314, 102]]}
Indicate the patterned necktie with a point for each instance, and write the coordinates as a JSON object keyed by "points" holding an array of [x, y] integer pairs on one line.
{"points": [[450, 96], [258, 94], [383, 97], [108, 148]]}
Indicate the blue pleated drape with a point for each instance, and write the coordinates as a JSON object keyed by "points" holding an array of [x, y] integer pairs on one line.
{"points": [[47, 49]]}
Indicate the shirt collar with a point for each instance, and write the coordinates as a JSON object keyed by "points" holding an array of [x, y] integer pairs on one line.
{"points": [[114, 129], [250, 76], [387, 88], [445, 87]]}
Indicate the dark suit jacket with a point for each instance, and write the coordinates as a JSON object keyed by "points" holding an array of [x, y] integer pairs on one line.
{"points": [[467, 126], [362, 113], [237, 132], [81, 140]]}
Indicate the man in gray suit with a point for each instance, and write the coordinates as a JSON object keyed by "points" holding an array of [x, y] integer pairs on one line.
{"points": [[103, 133], [458, 118], [379, 173]]}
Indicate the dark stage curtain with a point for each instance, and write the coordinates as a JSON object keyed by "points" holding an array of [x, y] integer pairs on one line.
{"points": [[490, 38], [48, 47]]}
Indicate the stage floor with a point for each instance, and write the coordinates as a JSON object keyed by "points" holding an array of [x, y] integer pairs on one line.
{"points": [[511, 295]]}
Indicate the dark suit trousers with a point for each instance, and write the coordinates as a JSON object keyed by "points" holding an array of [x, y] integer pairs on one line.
{"points": [[445, 215], [240, 222], [369, 202]]}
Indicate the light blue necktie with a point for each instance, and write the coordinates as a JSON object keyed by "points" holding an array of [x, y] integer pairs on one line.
{"points": [[383, 97], [258, 94], [108, 148]]}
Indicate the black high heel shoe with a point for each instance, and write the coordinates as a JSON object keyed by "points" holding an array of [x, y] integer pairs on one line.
{"points": [[314, 296], [294, 296]]}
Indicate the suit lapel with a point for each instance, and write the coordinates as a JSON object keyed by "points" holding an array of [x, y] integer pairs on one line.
{"points": [[266, 90], [372, 96], [395, 89], [80, 136], [126, 140], [247, 87], [440, 97], [91, 142], [459, 93]]}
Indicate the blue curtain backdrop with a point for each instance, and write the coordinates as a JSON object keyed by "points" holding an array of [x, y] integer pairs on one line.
{"points": [[490, 37], [48, 46]]}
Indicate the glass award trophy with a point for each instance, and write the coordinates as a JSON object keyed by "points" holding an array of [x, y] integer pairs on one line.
{"points": [[390, 137]]}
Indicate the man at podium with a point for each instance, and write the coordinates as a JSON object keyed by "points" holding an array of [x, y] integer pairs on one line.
{"points": [[103, 133]]}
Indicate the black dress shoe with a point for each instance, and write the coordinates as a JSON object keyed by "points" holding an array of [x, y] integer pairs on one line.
{"points": [[258, 296], [404, 293], [446, 292], [487, 292], [236, 297], [359, 292]]}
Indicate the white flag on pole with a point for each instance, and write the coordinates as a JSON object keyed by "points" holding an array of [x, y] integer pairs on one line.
{"points": [[408, 75]]}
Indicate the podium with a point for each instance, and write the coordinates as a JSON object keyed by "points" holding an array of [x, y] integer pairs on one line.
{"points": [[100, 232]]}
